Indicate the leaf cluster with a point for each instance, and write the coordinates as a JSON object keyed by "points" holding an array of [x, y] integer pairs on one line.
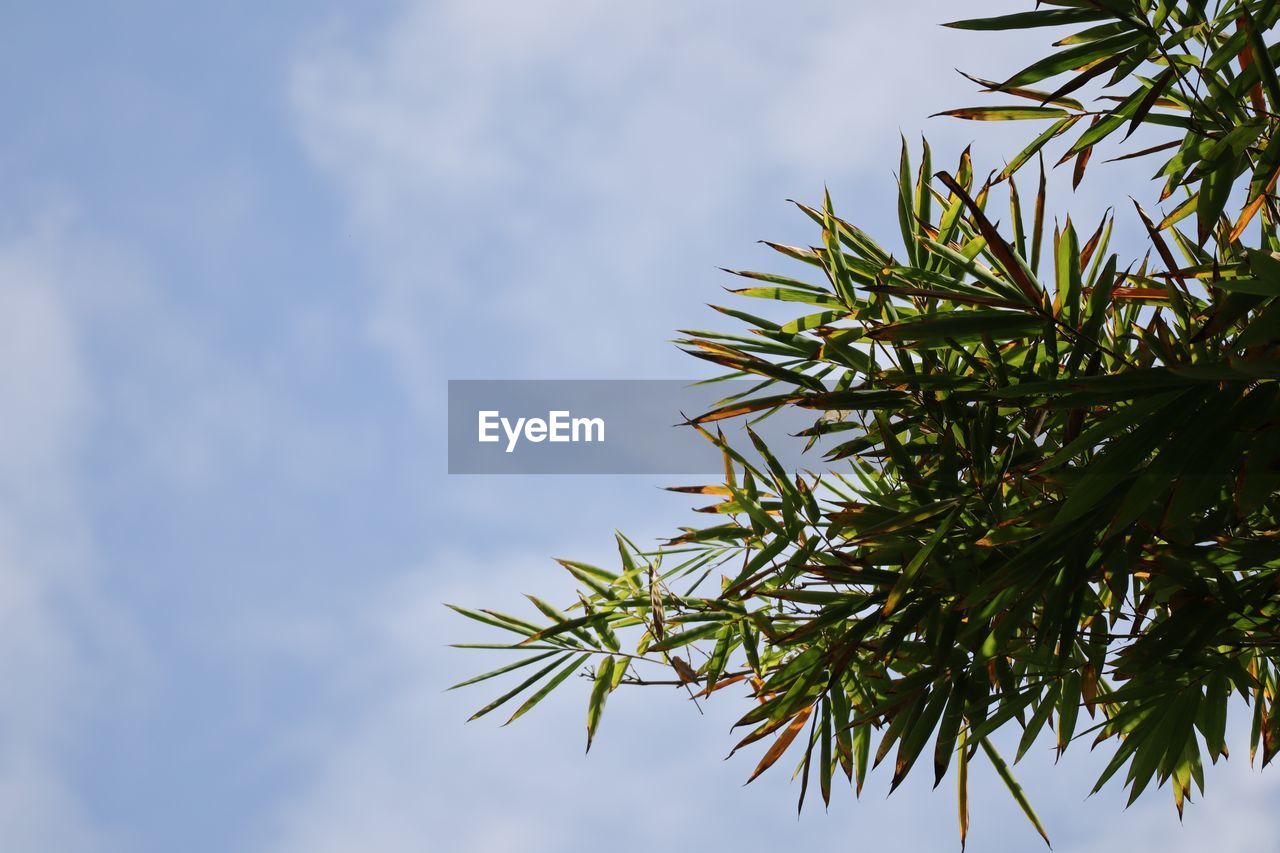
{"points": [[1049, 497]]}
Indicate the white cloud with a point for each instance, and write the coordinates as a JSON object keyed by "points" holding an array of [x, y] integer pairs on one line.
{"points": [[560, 178], [55, 628], [106, 375], [191, 409]]}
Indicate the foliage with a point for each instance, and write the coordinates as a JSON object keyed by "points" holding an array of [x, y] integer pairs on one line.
{"points": [[1053, 486]]}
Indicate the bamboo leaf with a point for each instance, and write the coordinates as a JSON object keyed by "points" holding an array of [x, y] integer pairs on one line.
{"points": [[1015, 789]]}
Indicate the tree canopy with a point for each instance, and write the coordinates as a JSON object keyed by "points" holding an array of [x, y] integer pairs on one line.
{"points": [[1051, 501]]}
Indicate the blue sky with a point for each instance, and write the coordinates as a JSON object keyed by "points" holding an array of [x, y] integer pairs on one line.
{"points": [[243, 247]]}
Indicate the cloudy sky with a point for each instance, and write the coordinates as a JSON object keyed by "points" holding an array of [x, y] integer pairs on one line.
{"points": [[242, 248]]}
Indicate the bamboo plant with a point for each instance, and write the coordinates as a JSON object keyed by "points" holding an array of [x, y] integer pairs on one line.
{"points": [[1049, 503]]}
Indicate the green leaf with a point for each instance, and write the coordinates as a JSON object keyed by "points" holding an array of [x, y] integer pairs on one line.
{"points": [[555, 681], [788, 294], [1069, 283], [1019, 795], [502, 669], [1025, 20], [505, 697], [1004, 113], [960, 325], [600, 690], [1074, 58], [912, 569]]}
